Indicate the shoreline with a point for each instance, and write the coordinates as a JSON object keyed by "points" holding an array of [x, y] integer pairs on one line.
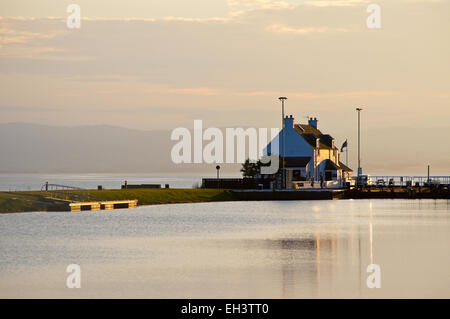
{"points": [[39, 201], [33, 201]]}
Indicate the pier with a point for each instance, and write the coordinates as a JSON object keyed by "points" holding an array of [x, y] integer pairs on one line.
{"points": [[287, 194], [104, 205], [72, 197], [397, 192], [417, 181]]}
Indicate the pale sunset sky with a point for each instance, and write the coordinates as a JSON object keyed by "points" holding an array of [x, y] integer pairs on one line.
{"points": [[159, 64]]}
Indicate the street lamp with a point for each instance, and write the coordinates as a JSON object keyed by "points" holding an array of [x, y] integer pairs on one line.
{"points": [[218, 169], [358, 109], [282, 99]]}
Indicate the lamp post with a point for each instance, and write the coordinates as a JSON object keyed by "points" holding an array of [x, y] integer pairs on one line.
{"points": [[282, 99], [359, 141], [218, 169]]}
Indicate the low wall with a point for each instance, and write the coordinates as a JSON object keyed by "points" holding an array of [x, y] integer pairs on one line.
{"points": [[286, 194]]}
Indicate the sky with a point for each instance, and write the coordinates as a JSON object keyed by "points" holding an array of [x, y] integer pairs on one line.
{"points": [[162, 64]]}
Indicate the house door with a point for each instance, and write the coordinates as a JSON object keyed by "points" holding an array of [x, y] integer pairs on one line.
{"points": [[328, 176]]}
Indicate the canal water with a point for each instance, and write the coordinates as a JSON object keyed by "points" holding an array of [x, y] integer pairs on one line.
{"points": [[278, 249]]}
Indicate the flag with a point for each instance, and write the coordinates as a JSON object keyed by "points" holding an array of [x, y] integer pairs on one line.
{"points": [[344, 146]]}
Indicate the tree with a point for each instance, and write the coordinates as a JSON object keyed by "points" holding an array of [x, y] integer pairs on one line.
{"points": [[250, 169]]}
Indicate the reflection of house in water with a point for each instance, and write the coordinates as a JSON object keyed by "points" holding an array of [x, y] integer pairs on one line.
{"points": [[319, 265]]}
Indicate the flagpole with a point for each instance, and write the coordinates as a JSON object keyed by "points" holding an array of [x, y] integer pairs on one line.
{"points": [[346, 155]]}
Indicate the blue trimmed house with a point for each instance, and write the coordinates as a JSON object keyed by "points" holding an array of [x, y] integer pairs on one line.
{"points": [[310, 155]]}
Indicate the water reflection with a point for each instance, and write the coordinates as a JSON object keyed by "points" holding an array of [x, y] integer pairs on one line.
{"points": [[241, 250], [328, 258]]}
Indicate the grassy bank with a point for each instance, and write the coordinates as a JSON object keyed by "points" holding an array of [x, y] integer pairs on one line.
{"points": [[164, 196], [11, 202], [17, 202]]}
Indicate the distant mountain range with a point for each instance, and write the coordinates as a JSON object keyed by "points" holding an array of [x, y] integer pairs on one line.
{"points": [[32, 148]]}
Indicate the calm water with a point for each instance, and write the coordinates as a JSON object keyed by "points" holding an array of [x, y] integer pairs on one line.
{"points": [[24, 182], [290, 249]]}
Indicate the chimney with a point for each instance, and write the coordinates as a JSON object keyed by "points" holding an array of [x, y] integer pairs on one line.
{"points": [[313, 122], [289, 121]]}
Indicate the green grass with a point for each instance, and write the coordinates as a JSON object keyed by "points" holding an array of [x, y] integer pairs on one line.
{"points": [[164, 196], [16, 202], [35, 201]]}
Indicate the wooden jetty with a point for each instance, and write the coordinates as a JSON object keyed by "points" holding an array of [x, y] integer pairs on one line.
{"points": [[102, 205]]}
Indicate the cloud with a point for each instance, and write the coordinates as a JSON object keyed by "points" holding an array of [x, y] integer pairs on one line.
{"points": [[16, 36], [279, 28], [184, 91], [124, 19], [165, 19], [324, 95], [208, 91], [259, 4], [27, 109], [246, 5], [425, 1], [336, 3], [315, 54]]}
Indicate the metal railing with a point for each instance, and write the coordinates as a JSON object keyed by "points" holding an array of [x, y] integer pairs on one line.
{"points": [[413, 180], [69, 193]]}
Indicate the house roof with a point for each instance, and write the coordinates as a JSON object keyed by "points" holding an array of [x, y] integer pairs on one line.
{"points": [[327, 140], [310, 134], [296, 161], [308, 129], [330, 166], [310, 138], [344, 167]]}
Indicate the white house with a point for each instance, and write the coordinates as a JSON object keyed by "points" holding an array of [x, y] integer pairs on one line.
{"points": [[309, 154]]}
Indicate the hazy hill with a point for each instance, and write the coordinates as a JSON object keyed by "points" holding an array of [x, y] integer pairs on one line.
{"points": [[31, 148], [27, 148]]}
